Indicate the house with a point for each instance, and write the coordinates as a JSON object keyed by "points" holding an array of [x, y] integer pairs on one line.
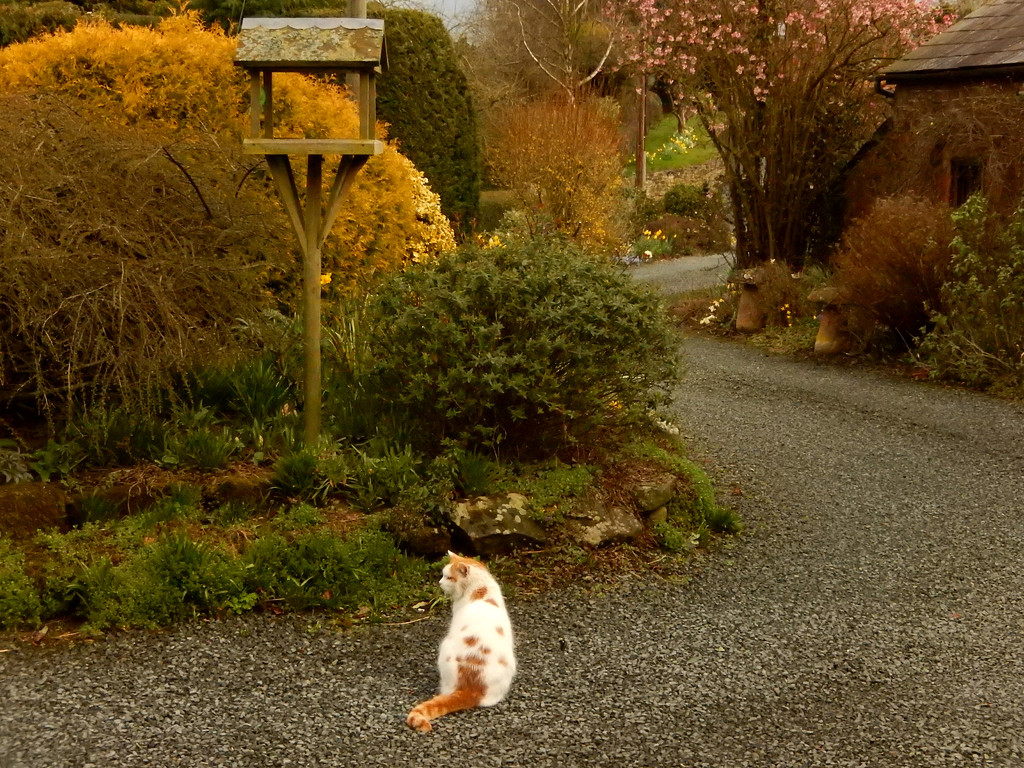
{"points": [[958, 119]]}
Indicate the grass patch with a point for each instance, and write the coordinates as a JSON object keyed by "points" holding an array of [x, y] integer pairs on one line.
{"points": [[164, 566], [788, 340], [668, 149], [184, 557]]}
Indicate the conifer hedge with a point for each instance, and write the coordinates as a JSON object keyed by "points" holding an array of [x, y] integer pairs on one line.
{"points": [[424, 97]]}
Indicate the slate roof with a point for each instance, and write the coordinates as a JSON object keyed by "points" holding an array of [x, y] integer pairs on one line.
{"points": [[989, 41], [310, 43]]}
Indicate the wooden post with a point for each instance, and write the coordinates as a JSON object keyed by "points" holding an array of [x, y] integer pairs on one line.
{"points": [[254, 103], [641, 134], [332, 46], [268, 104], [311, 303], [356, 10]]}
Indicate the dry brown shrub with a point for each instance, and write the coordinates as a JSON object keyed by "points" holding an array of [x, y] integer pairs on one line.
{"points": [[894, 260], [123, 255], [562, 161]]}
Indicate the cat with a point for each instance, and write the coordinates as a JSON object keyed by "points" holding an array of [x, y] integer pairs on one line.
{"points": [[477, 657]]}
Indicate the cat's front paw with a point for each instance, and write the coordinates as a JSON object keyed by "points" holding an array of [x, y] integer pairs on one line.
{"points": [[418, 722]]}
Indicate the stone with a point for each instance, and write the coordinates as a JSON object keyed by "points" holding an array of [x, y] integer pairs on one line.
{"points": [[497, 525], [249, 489], [29, 507], [427, 541], [602, 525], [655, 493], [660, 515]]}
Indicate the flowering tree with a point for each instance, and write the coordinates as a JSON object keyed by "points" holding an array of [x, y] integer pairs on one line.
{"points": [[784, 89]]}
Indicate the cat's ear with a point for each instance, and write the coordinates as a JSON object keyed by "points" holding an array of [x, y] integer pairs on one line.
{"points": [[461, 569]]}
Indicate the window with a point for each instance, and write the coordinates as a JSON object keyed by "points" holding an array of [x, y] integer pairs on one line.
{"points": [[965, 180]]}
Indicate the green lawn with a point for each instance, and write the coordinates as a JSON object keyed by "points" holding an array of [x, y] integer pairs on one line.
{"points": [[664, 155]]}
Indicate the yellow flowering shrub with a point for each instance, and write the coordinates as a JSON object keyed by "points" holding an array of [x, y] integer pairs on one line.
{"points": [[180, 78], [390, 188], [178, 75]]}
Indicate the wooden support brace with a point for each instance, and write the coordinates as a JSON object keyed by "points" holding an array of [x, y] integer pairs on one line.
{"points": [[347, 170], [284, 179]]}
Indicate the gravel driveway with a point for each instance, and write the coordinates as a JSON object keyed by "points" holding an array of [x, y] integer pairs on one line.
{"points": [[871, 615], [689, 273]]}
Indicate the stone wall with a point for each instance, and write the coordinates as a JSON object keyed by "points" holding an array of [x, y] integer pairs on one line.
{"points": [[941, 135]]}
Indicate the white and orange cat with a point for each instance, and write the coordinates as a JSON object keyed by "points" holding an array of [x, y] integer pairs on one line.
{"points": [[477, 658]]}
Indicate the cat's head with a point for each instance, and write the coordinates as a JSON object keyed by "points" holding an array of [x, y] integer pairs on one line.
{"points": [[459, 573]]}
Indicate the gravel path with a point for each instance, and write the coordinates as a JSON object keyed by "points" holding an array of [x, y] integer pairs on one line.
{"points": [[872, 615], [688, 273]]}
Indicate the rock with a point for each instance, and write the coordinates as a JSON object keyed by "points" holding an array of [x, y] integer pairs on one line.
{"points": [[249, 489], [601, 525], [660, 515], [427, 541], [655, 493], [28, 507], [495, 525], [126, 498]]}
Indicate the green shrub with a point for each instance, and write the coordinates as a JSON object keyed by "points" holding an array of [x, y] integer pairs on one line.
{"points": [[256, 389], [19, 600], [978, 335], [57, 459], [233, 512], [13, 463], [119, 437], [174, 579], [381, 474], [296, 474], [349, 403], [96, 508], [691, 200], [524, 346], [475, 475], [260, 389], [19, 22], [298, 517], [322, 569], [179, 501], [207, 448], [424, 97]]}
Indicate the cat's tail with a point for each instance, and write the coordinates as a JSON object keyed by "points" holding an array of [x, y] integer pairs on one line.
{"points": [[442, 704]]}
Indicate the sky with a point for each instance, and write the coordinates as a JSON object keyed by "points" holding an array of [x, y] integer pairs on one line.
{"points": [[449, 10]]}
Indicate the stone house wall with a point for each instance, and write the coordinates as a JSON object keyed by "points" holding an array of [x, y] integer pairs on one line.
{"points": [[946, 140]]}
